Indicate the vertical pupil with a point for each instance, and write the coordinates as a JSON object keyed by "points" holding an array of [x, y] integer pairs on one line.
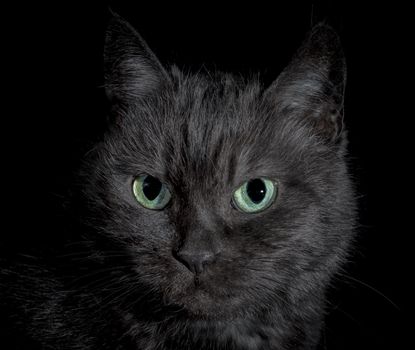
{"points": [[151, 187], [256, 190]]}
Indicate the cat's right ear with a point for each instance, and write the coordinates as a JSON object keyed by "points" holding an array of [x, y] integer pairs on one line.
{"points": [[132, 71]]}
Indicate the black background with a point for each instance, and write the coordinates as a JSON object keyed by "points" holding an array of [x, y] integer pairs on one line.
{"points": [[55, 106]]}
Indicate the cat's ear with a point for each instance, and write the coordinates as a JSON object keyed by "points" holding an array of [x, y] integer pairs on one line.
{"points": [[131, 69], [312, 85]]}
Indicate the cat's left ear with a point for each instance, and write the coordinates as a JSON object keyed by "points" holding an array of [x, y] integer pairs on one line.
{"points": [[312, 86], [132, 71]]}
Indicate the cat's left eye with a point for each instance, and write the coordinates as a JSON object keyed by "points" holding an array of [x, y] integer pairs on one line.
{"points": [[150, 192], [255, 195]]}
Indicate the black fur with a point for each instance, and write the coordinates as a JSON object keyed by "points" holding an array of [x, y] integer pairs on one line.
{"points": [[119, 284]]}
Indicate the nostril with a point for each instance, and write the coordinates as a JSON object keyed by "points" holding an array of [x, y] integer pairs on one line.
{"points": [[195, 261]]}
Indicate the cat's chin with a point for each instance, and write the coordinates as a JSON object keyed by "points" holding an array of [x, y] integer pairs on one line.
{"points": [[201, 300]]}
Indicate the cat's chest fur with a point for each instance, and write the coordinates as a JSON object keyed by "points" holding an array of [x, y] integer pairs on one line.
{"points": [[272, 331], [238, 334]]}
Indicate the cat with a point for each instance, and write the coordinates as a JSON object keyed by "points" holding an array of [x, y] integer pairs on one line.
{"points": [[213, 214]]}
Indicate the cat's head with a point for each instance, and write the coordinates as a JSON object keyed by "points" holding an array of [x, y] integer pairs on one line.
{"points": [[222, 197]]}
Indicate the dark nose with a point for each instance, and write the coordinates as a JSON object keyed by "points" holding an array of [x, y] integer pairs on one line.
{"points": [[195, 261]]}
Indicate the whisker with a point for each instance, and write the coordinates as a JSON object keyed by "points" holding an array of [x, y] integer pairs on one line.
{"points": [[372, 289], [97, 272]]}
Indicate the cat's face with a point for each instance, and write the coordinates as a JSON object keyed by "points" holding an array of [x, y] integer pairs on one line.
{"points": [[203, 138]]}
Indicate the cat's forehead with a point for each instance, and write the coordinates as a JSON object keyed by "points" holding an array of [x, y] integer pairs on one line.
{"points": [[218, 130], [216, 126]]}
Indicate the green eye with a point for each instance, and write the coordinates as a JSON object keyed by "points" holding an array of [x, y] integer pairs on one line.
{"points": [[150, 192], [255, 195]]}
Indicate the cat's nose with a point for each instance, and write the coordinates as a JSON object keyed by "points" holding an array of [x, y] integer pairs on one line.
{"points": [[195, 261]]}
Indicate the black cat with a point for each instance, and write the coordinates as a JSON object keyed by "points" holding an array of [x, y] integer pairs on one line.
{"points": [[213, 215]]}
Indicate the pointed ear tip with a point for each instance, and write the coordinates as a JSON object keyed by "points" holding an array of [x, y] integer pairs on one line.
{"points": [[114, 20], [323, 32], [323, 25], [113, 14], [111, 11], [118, 30], [324, 41]]}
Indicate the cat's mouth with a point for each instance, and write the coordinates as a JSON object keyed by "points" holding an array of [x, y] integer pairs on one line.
{"points": [[203, 305], [202, 298]]}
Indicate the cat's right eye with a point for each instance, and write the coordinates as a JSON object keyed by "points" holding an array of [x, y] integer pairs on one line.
{"points": [[150, 192]]}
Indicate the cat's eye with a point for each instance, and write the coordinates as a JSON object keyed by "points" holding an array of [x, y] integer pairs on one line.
{"points": [[150, 192], [255, 195]]}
